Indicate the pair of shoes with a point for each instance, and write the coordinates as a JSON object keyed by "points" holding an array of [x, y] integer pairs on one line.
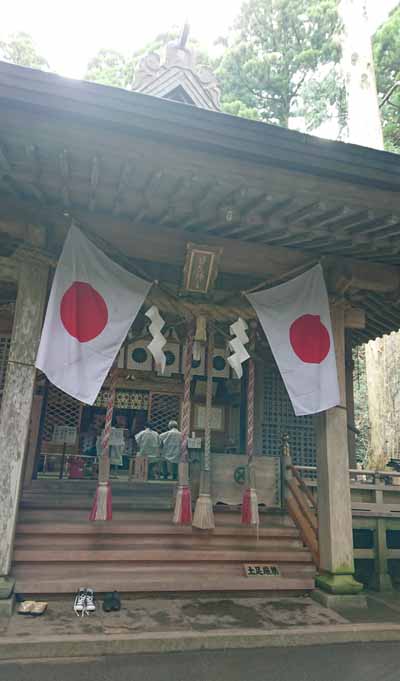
{"points": [[112, 601], [85, 602], [32, 608]]}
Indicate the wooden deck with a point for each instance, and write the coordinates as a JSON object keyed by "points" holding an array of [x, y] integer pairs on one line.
{"points": [[57, 549]]}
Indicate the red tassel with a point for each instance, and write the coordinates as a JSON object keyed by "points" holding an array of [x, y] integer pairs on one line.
{"points": [[186, 508], [102, 504], [246, 508], [183, 506]]}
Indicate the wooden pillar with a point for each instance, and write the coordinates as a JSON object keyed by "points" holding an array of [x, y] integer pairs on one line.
{"points": [[334, 503], [17, 400]]}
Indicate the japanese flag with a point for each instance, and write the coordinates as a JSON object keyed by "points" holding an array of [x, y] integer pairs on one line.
{"points": [[92, 304], [296, 320]]}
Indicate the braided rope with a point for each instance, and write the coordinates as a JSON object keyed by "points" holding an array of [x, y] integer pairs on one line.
{"points": [[250, 401], [209, 387], [109, 414], [185, 425]]}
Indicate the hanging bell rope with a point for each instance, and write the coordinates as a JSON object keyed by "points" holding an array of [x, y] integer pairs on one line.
{"points": [[203, 514], [183, 501], [250, 514], [102, 504]]}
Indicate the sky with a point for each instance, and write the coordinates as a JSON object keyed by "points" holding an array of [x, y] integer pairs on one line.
{"points": [[69, 33]]}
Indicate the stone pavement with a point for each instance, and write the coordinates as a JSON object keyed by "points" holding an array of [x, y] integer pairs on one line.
{"points": [[201, 613], [196, 622]]}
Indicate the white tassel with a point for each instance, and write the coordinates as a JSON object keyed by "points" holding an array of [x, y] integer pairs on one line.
{"points": [[158, 342], [240, 354], [255, 517], [204, 514]]}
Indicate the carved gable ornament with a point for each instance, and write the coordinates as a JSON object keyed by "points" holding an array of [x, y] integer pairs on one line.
{"points": [[178, 77]]}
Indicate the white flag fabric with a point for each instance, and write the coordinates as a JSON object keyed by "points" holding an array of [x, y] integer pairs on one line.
{"points": [[92, 304], [296, 320]]}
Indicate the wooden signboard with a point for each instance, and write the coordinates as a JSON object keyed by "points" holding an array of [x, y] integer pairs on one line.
{"points": [[261, 570], [229, 478]]}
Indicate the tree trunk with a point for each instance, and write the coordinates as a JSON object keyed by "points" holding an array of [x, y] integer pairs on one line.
{"points": [[363, 118], [365, 128]]}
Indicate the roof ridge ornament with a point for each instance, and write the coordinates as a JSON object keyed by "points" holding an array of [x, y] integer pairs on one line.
{"points": [[177, 76]]}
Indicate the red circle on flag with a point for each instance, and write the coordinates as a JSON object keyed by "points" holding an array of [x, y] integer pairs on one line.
{"points": [[310, 339], [83, 311]]}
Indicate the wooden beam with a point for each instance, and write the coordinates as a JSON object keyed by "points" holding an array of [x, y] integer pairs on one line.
{"points": [[247, 229], [94, 182], [64, 173], [8, 270], [5, 165], [168, 246], [354, 318], [32, 154], [123, 182]]}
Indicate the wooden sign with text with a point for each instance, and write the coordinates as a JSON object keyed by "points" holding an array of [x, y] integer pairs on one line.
{"points": [[261, 570]]}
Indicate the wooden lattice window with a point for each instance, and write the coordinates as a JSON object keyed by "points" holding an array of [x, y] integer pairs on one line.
{"points": [[279, 418], [5, 342], [162, 409], [61, 410]]}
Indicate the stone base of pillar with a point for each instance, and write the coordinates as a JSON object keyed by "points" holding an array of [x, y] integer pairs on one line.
{"points": [[7, 585], [339, 602], [339, 584], [7, 607]]}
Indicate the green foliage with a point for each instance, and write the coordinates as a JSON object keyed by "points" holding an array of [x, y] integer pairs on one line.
{"points": [[110, 67], [386, 45], [20, 49], [279, 60], [237, 108]]}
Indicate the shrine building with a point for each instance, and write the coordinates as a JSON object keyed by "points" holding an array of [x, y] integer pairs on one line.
{"points": [[207, 206]]}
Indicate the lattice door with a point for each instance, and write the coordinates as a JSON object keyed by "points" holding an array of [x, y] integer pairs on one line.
{"points": [[61, 410], [163, 408], [279, 418]]}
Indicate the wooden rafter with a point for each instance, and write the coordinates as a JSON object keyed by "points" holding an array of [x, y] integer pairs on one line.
{"points": [[94, 182]]}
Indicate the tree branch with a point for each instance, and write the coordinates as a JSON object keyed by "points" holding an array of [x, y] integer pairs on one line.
{"points": [[389, 94]]}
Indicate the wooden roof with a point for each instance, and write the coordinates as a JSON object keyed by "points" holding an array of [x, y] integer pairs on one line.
{"points": [[128, 165]]}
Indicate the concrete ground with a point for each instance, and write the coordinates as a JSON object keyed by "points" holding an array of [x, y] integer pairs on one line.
{"points": [[195, 623], [348, 662], [197, 614]]}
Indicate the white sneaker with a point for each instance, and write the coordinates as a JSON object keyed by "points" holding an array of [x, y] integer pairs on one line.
{"points": [[80, 602], [90, 601]]}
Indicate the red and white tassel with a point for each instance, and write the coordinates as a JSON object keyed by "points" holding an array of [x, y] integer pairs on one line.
{"points": [[183, 506], [102, 505], [250, 514]]}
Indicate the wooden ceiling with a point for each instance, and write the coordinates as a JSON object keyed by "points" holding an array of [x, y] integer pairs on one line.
{"points": [[105, 156]]}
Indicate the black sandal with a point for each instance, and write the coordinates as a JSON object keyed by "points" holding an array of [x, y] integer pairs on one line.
{"points": [[116, 601], [112, 602], [108, 602]]}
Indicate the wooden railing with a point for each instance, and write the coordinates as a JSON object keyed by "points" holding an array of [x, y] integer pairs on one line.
{"points": [[300, 504]]}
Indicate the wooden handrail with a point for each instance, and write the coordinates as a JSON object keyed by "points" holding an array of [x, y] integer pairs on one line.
{"points": [[353, 471], [305, 509], [306, 532], [300, 503], [303, 486]]}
